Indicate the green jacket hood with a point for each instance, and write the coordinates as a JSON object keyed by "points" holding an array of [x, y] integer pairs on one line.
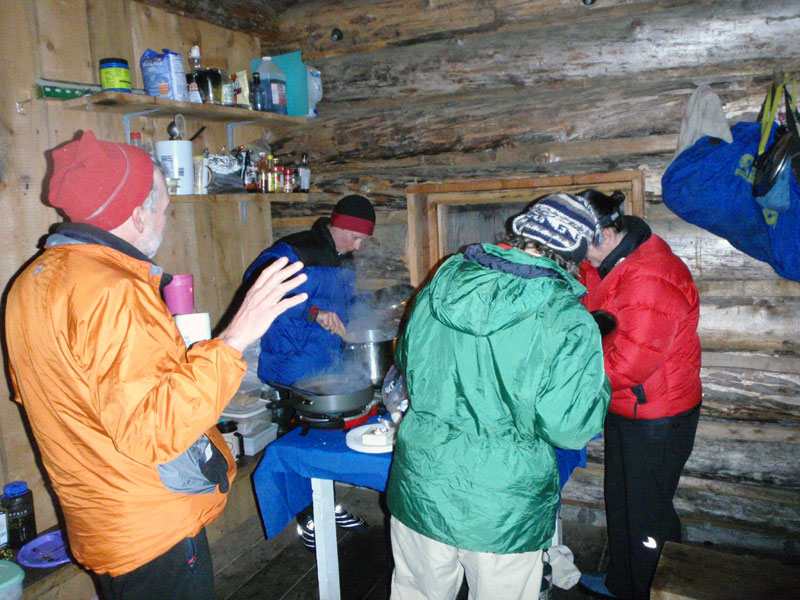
{"points": [[468, 288]]}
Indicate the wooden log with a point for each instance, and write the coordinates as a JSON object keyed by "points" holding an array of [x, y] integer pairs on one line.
{"points": [[249, 16], [737, 458], [699, 499], [654, 41], [308, 25], [751, 395]]}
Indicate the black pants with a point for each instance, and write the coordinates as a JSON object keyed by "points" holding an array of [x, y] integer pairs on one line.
{"points": [[184, 572], [643, 463]]}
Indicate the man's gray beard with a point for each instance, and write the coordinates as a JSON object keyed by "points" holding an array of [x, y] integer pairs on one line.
{"points": [[151, 247]]}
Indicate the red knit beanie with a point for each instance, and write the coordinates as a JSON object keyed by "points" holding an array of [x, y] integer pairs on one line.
{"points": [[354, 213], [99, 183]]}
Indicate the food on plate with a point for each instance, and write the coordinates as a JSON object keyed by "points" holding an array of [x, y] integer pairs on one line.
{"points": [[379, 435]]}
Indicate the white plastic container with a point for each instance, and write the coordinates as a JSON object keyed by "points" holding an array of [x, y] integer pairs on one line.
{"points": [[250, 418], [11, 576], [254, 443], [274, 81]]}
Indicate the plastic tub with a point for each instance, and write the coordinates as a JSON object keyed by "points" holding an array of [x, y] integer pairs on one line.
{"points": [[11, 576]]}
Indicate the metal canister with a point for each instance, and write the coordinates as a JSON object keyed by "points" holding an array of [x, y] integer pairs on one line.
{"points": [[18, 502]]}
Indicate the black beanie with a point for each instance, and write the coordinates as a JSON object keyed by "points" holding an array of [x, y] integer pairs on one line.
{"points": [[354, 213]]}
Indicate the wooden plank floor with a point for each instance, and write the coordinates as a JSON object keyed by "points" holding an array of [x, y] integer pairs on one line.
{"points": [[282, 569]]}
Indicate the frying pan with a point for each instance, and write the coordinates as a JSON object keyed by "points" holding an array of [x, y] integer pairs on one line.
{"points": [[328, 394]]}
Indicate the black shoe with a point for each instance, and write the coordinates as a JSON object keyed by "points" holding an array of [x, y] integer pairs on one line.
{"points": [[306, 532], [347, 520]]}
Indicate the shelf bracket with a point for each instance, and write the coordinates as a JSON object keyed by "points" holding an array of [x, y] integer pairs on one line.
{"points": [[126, 121], [230, 131], [244, 212]]}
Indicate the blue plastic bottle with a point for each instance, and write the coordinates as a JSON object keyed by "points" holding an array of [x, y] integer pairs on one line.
{"points": [[274, 81]]}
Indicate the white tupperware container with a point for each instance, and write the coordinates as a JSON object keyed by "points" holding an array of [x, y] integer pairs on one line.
{"points": [[254, 443], [251, 418], [11, 576]]}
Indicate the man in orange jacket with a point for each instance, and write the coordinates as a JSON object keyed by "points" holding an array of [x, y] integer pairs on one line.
{"points": [[123, 413]]}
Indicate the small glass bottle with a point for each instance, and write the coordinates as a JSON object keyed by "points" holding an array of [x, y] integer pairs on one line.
{"points": [[304, 174], [263, 173], [270, 173], [136, 139], [258, 93], [277, 175], [227, 89], [288, 180]]}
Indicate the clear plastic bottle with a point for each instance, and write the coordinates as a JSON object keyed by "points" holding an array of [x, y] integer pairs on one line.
{"points": [[304, 174], [274, 80], [136, 140], [195, 65], [195, 60]]}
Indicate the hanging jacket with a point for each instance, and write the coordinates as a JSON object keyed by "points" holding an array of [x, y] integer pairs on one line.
{"points": [[653, 356], [502, 364], [115, 400], [295, 345]]}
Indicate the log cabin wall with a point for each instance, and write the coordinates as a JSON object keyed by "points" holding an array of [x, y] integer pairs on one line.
{"points": [[484, 89]]}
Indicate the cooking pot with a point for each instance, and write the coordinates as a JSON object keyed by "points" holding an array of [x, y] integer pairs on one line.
{"points": [[328, 394], [371, 351]]}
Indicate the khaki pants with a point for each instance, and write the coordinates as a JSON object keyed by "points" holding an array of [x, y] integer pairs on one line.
{"points": [[429, 570]]}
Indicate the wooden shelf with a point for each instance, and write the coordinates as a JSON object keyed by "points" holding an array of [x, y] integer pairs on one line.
{"points": [[124, 103], [244, 197]]}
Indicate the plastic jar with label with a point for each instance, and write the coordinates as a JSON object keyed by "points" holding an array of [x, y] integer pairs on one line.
{"points": [[17, 500]]}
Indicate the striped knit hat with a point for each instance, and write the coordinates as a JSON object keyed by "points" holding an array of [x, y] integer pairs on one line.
{"points": [[565, 223]]}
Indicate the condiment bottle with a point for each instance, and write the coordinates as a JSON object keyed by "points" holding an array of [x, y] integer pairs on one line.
{"points": [[277, 175], [304, 173], [18, 502], [270, 173], [263, 173]]}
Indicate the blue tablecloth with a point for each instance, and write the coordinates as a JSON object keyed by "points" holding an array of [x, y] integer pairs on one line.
{"points": [[283, 477]]}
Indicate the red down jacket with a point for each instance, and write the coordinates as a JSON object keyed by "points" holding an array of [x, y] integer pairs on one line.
{"points": [[653, 356]]}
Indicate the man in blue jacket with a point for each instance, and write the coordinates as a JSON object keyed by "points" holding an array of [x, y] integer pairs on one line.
{"points": [[306, 339]]}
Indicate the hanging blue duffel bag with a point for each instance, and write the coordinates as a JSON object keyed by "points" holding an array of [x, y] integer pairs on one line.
{"points": [[710, 185]]}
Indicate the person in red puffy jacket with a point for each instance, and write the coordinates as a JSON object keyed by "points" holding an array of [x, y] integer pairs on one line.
{"points": [[645, 301]]}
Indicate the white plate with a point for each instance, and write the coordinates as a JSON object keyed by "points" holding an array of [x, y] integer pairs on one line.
{"points": [[353, 441]]}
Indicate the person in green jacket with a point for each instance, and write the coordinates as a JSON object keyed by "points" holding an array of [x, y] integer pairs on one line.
{"points": [[502, 364]]}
